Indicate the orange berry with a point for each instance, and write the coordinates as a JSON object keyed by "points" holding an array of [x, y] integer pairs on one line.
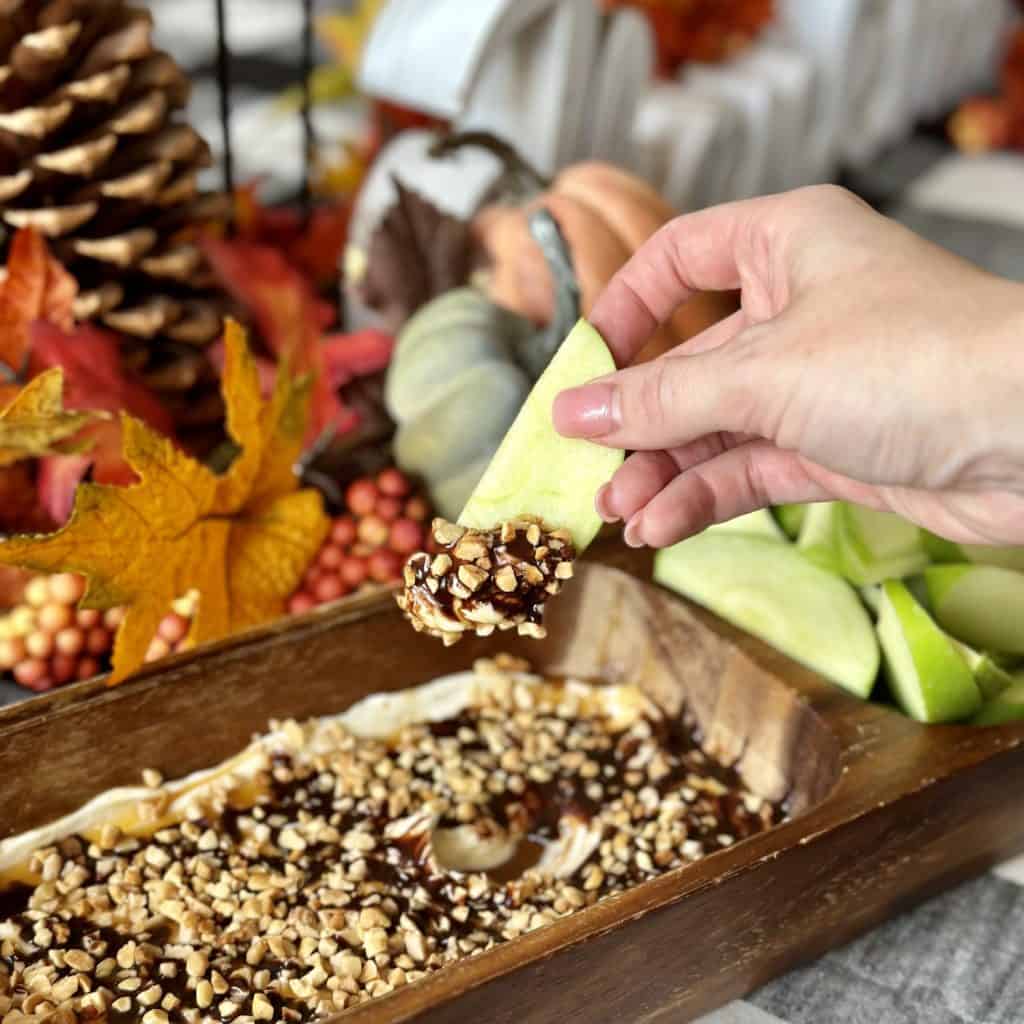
{"points": [[31, 672], [69, 641], [37, 591], [113, 617], [361, 496], [39, 644], [63, 668], [12, 650], [66, 587], [173, 628], [300, 602], [88, 617], [98, 640], [87, 668], [393, 482], [54, 617]]}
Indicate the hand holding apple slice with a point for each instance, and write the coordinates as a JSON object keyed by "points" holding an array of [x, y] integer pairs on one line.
{"points": [[529, 517]]}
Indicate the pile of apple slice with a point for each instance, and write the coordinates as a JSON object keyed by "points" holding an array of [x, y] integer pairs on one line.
{"points": [[847, 590]]}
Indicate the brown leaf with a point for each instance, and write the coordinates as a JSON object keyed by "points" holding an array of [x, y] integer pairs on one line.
{"points": [[416, 253]]}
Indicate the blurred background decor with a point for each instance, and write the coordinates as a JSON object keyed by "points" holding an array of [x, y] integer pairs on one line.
{"points": [[360, 183]]}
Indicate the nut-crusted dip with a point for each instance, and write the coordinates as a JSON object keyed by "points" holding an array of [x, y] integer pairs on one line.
{"points": [[482, 580], [333, 862]]}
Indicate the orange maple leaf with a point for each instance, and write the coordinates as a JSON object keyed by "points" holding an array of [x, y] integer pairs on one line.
{"points": [[242, 539], [37, 287]]}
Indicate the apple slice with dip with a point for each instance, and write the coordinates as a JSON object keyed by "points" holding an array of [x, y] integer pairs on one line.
{"points": [[531, 515]]}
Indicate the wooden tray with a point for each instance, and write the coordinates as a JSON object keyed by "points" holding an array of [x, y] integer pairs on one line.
{"points": [[886, 812]]}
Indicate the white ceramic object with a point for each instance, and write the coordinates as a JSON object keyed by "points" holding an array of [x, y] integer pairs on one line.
{"points": [[512, 67], [620, 78], [753, 106], [824, 29], [428, 54], [687, 145], [532, 88], [789, 77]]}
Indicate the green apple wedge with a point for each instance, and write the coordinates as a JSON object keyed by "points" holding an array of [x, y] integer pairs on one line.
{"points": [[941, 550], [927, 674], [817, 539], [535, 470], [981, 605], [876, 546], [1008, 706], [991, 677], [791, 518], [759, 523], [772, 591]]}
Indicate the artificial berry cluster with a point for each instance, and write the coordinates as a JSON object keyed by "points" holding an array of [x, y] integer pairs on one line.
{"points": [[46, 641], [384, 523]]}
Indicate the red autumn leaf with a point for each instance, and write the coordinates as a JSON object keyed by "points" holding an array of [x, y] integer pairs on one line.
{"points": [[359, 354], [314, 247], [289, 317], [94, 378], [36, 287]]}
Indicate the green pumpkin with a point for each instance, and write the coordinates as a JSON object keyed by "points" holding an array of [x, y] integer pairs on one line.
{"points": [[461, 370]]}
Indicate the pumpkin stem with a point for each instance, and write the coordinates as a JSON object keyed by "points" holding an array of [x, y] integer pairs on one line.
{"points": [[513, 161], [540, 347]]}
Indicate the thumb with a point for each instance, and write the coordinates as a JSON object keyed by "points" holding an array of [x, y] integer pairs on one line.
{"points": [[668, 402]]}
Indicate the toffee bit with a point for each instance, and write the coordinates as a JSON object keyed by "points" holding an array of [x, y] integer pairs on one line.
{"points": [[484, 580]]}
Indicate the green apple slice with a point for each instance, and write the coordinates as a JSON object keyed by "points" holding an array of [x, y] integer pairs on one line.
{"points": [[982, 605], [942, 550], [1007, 707], [772, 591], [991, 678], [818, 537], [759, 523], [928, 676], [536, 471], [876, 546], [791, 518]]}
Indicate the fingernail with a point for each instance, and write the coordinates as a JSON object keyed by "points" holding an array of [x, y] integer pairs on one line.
{"points": [[631, 534], [603, 504], [588, 411]]}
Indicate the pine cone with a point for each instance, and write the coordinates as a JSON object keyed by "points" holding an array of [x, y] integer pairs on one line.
{"points": [[94, 154]]}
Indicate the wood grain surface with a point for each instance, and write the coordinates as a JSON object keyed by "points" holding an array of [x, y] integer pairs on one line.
{"points": [[885, 812]]}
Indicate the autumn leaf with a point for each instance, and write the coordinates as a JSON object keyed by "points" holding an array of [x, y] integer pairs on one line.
{"points": [[36, 423], [36, 287], [241, 539], [288, 316], [94, 378]]}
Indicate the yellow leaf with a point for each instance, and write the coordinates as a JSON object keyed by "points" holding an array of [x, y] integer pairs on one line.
{"points": [[242, 539], [36, 423], [346, 34]]}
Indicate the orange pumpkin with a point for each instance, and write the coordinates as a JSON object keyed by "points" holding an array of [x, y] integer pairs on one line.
{"points": [[605, 214]]}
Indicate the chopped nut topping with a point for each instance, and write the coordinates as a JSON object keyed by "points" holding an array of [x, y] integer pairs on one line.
{"points": [[486, 579], [328, 887]]}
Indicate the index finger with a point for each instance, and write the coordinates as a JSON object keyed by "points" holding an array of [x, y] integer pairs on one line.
{"points": [[692, 253]]}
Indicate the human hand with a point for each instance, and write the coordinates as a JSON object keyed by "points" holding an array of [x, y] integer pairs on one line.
{"points": [[865, 364]]}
